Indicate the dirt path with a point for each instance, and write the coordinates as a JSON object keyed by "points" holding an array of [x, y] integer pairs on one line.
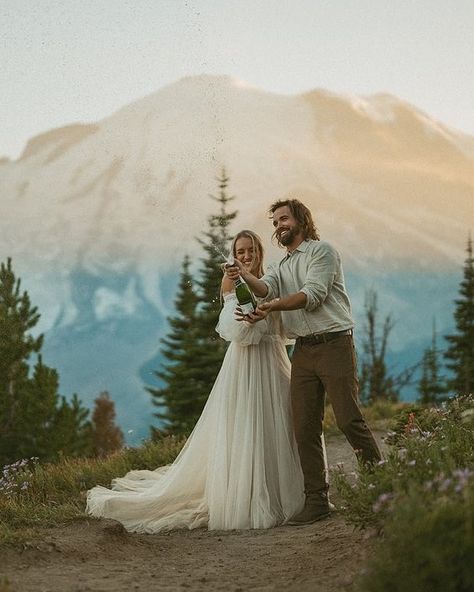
{"points": [[99, 556]]}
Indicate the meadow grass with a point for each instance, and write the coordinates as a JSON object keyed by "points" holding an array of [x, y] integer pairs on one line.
{"points": [[421, 497], [378, 415], [33, 495]]}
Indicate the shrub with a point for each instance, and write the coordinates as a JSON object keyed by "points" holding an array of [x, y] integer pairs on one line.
{"points": [[418, 455], [422, 498], [429, 547]]}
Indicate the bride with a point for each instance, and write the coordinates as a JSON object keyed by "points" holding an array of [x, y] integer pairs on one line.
{"points": [[239, 468]]}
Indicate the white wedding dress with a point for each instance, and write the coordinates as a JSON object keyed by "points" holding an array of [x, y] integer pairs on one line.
{"points": [[239, 468]]}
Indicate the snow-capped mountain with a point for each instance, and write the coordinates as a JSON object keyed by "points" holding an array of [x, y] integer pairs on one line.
{"points": [[97, 217]]}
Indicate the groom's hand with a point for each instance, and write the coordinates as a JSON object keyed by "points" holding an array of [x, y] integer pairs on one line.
{"points": [[260, 313]]}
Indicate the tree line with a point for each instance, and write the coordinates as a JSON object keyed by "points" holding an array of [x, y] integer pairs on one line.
{"points": [[35, 420]]}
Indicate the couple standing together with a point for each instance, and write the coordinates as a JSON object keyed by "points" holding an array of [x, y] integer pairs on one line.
{"points": [[256, 457]]}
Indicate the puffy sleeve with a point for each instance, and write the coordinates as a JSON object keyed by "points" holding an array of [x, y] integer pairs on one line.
{"points": [[239, 332]]}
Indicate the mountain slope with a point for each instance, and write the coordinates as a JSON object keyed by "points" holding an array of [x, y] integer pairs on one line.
{"points": [[97, 217]]}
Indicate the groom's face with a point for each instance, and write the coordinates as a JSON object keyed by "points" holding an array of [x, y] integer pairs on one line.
{"points": [[287, 229]]}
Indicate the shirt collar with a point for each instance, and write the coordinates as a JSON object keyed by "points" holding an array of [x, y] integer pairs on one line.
{"points": [[302, 247]]}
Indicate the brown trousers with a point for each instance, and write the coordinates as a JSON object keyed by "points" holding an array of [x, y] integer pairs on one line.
{"points": [[316, 370]]}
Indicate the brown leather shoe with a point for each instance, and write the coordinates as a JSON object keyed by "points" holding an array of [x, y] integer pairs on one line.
{"points": [[316, 507]]}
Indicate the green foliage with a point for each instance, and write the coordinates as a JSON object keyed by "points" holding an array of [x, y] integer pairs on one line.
{"points": [[429, 545], [177, 402], [378, 415], [216, 244], [36, 495], [193, 350], [431, 387], [34, 420], [422, 497], [460, 353]]}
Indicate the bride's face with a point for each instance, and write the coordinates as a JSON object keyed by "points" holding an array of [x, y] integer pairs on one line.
{"points": [[246, 254]]}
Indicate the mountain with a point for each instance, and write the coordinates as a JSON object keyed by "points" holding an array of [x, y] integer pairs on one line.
{"points": [[98, 216]]}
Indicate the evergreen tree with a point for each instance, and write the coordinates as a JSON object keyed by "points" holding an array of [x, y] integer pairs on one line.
{"points": [[376, 382], [72, 433], [460, 353], [216, 245], [17, 318], [106, 436], [193, 350], [178, 401], [431, 387], [28, 406]]}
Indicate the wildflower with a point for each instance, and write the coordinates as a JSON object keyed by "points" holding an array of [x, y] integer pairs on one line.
{"points": [[382, 501], [371, 486], [412, 463], [445, 484], [467, 415], [410, 425], [463, 474], [381, 462]]}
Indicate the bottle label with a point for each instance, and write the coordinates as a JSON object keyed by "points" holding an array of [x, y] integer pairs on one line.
{"points": [[247, 308]]}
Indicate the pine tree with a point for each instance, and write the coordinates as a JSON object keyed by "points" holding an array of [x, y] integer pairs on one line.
{"points": [[460, 353], [216, 245], [178, 401], [17, 318], [106, 436], [193, 350], [72, 433], [28, 405], [431, 387]]}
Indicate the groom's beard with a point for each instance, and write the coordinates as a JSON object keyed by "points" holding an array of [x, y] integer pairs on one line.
{"points": [[290, 235]]}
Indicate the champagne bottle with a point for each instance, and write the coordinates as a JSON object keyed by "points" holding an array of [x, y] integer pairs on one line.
{"points": [[245, 296]]}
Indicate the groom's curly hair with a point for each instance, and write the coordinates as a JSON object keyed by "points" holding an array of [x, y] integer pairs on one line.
{"points": [[300, 213]]}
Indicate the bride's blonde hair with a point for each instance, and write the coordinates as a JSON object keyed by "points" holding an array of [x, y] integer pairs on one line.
{"points": [[258, 251]]}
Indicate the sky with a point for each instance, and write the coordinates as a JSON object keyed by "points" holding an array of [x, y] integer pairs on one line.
{"points": [[64, 61]]}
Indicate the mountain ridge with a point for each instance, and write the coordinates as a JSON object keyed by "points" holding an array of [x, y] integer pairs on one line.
{"points": [[98, 216]]}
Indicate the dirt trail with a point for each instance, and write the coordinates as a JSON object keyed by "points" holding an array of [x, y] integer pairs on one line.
{"points": [[99, 556]]}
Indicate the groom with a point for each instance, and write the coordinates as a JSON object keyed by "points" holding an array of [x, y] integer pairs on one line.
{"points": [[307, 286]]}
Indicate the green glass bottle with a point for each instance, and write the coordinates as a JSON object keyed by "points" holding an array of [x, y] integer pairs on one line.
{"points": [[245, 296]]}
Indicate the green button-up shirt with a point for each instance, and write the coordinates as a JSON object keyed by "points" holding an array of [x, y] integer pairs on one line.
{"points": [[315, 269]]}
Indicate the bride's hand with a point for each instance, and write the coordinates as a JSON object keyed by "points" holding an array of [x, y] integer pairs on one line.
{"points": [[253, 317], [233, 271]]}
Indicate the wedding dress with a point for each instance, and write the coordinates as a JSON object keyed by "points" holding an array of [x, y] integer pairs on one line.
{"points": [[239, 468]]}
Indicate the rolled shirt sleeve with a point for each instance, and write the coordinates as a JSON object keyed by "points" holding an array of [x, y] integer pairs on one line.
{"points": [[320, 276], [271, 279], [313, 268]]}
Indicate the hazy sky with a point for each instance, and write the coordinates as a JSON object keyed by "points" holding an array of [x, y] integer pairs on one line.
{"points": [[64, 61]]}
